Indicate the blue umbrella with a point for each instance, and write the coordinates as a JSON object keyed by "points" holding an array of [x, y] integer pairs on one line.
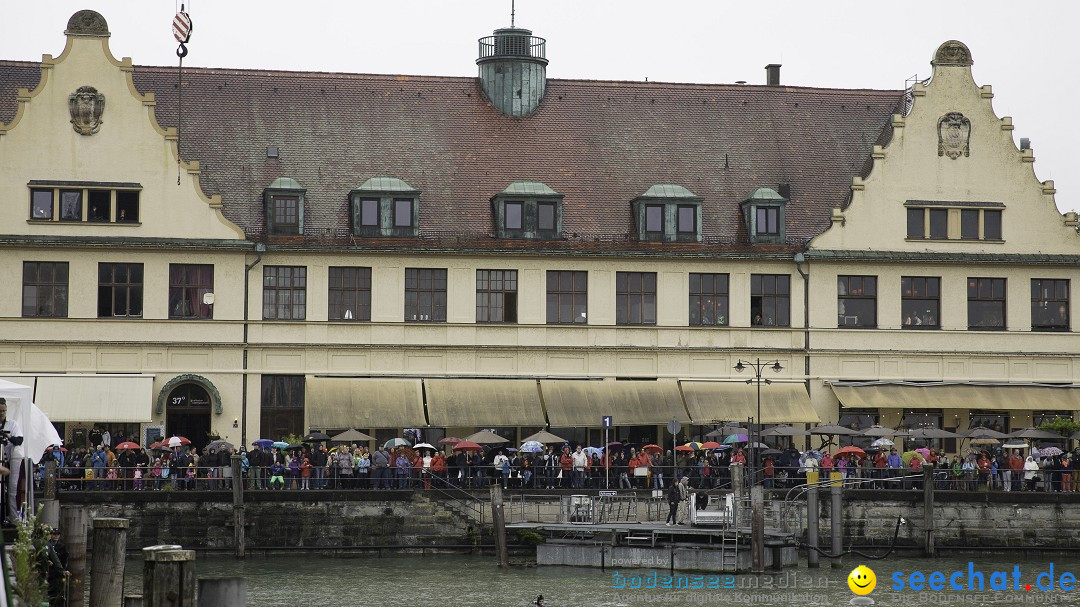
{"points": [[263, 443], [279, 444], [532, 446], [736, 438], [396, 442], [591, 451]]}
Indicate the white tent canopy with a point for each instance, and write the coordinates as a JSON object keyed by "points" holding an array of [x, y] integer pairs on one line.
{"points": [[38, 431]]}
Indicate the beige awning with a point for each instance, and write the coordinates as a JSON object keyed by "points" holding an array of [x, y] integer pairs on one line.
{"points": [[572, 403], [713, 401], [338, 402], [1002, 397], [483, 402], [96, 398]]}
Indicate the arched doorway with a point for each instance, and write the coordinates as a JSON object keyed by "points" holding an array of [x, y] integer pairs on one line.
{"points": [[187, 413]]}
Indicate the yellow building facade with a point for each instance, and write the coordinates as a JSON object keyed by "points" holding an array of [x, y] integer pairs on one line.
{"points": [[313, 251]]}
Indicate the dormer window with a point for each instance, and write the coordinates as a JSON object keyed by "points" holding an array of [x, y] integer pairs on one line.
{"points": [[285, 207], [667, 213], [763, 212], [385, 206], [527, 209]]}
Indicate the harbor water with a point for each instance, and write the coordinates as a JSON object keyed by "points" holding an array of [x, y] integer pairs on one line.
{"points": [[475, 581]]}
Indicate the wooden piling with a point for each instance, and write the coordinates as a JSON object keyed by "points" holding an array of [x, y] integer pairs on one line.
{"points": [[222, 592], [812, 518], [73, 533], [168, 577], [928, 508], [499, 520], [107, 570], [133, 600], [757, 529], [238, 507], [837, 525]]}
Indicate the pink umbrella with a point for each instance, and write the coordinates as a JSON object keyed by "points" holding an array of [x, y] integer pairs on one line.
{"points": [[923, 451]]}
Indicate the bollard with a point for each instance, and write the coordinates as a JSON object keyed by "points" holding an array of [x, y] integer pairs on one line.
{"points": [[73, 532], [133, 600], [499, 521], [222, 592], [238, 507], [928, 507], [757, 529], [812, 514], [837, 525], [168, 577], [107, 570]]}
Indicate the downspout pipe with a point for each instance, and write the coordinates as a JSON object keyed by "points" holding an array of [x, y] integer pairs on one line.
{"points": [[800, 263], [260, 248]]}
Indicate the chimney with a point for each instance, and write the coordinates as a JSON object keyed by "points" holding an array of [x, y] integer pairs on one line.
{"points": [[772, 72], [784, 190], [1025, 144]]}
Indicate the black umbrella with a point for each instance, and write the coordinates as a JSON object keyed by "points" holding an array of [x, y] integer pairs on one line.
{"points": [[290, 447], [316, 437]]}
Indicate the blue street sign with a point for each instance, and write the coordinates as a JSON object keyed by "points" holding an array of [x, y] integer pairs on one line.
{"points": [[606, 422]]}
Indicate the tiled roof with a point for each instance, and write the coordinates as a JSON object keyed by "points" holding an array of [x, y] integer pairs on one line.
{"points": [[598, 143]]}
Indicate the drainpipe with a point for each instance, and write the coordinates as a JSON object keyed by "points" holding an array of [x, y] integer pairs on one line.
{"points": [[260, 248], [800, 261]]}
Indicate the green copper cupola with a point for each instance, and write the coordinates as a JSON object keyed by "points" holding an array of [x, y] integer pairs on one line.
{"points": [[513, 70]]}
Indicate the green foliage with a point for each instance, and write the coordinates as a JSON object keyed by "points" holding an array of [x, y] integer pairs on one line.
{"points": [[27, 556], [530, 537], [1062, 425], [292, 439]]}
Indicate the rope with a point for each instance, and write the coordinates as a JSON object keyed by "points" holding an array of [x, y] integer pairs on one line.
{"points": [[872, 557]]}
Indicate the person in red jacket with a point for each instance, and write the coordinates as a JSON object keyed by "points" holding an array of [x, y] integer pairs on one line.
{"points": [[1016, 467], [566, 464]]}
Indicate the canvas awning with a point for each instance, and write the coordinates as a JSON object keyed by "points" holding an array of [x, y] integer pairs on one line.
{"points": [[483, 402], [711, 402], [340, 402], [942, 395], [572, 403], [96, 398]]}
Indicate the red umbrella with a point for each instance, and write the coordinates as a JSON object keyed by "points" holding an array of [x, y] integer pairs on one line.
{"points": [[157, 445], [127, 445], [450, 440], [653, 447], [684, 448], [852, 450], [710, 445], [467, 446]]}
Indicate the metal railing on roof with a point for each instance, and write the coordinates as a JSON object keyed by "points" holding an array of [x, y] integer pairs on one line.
{"points": [[513, 45]]}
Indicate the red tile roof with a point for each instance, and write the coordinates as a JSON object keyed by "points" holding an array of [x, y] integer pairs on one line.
{"points": [[599, 143]]}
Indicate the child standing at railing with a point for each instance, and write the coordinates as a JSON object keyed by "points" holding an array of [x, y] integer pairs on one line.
{"points": [[305, 474], [138, 477], [112, 475], [155, 474], [189, 476]]}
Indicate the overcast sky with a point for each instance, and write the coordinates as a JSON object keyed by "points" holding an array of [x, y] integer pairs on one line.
{"points": [[1028, 51]]}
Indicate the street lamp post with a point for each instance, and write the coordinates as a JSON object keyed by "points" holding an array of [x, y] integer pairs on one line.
{"points": [[758, 366]]}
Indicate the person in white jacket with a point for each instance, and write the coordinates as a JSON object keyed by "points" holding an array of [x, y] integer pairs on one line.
{"points": [[1031, 470]]}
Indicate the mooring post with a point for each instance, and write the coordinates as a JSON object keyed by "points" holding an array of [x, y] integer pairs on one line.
{"points": [[73, 532], [222, 592], [238, 507], [837, 525], [928, 507], [757, 529], [499, 520], [50, 507], [168, 577], [812, 515], [107, 570]]}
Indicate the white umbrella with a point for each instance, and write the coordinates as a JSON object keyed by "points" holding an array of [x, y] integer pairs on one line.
{"points": [[882, 442], [1015, 445], [425, 446]]}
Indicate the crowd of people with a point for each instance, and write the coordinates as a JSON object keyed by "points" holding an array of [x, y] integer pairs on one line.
{"points": [[322, 466]]}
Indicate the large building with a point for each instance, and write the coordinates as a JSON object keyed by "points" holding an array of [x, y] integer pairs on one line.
{"points": [[250, 253]]}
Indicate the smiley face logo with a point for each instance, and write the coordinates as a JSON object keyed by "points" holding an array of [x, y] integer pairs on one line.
{"points": [[862, 580]]}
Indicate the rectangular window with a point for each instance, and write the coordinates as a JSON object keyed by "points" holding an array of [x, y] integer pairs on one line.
{"points": [[1049, 304], [120, 290], [45, 289], [369, 212], [285, 211], [654, 218], [282, 405], [403, 215], [708, 300], [939, 223], [70, 205], [127, 206], [969, 224], [856, 301], [567, 297], [687, 220], [98, 205], [770, 300], [916, 223], [635, 298], [920, 302], [425, 295], [992, 225], [350, 294], [496, 296], [545, 216], [188, 285], [768, 221], [512, 215], [986, 304], [41, 204], [284, 293]]}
